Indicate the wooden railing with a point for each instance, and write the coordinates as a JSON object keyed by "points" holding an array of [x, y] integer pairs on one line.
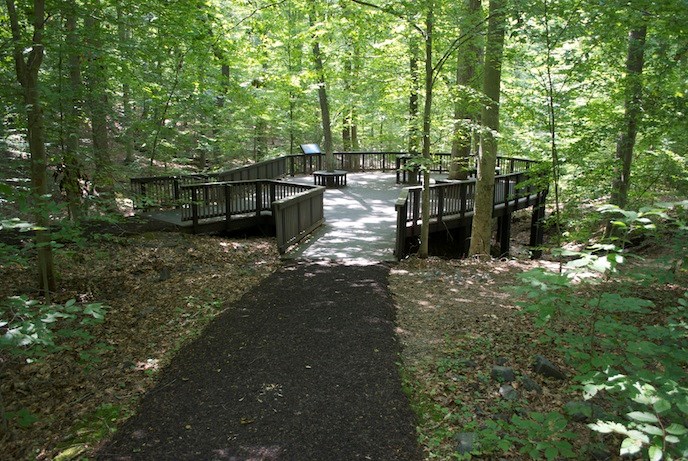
{"points": [[297, 216], [296, 209], [454, 201], [164, 191]]}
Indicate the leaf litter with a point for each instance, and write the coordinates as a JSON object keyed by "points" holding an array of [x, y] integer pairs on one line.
{"points": [[161, 289]]}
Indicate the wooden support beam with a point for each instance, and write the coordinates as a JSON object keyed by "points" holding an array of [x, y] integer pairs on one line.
{"points": [[537, 225], [504, 234]]}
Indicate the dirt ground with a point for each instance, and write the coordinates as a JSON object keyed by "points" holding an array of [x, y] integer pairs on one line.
{"points": [[161, 289]]}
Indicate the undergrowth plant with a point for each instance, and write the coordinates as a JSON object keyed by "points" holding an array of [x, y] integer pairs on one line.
{"points": [[31, 331], [628, 353]]}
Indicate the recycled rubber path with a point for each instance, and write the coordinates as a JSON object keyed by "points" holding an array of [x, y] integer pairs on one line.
{"points": [[301, 368]]}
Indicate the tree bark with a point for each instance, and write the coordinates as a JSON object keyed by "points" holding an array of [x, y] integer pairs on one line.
{"points": [[413, 134], [97, 100], [322, 97], [427, 125], [467, 59], [625, 144], [28, 77], [481, 230], [124, 37], [72, 165]]}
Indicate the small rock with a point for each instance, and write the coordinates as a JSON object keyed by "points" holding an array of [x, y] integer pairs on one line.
{"points": [[465, 442], [583, 412], [501, 361], [600, 454], [468, 363], [547, 369], [530, 385], [503, 374], [164, 274], [508, 392]]}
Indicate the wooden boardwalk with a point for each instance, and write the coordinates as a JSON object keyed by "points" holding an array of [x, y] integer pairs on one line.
{"points": [[373, 219]]}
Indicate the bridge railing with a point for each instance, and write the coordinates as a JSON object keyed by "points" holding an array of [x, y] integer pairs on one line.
{"points": [[455, 200], [296, 209], [297, 216], [165, 191]]}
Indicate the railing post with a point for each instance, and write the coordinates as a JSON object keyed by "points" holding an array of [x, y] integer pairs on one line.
{"points": [[259, 197], [416, 209], [175, 186], [400, 244], [440, 202], [537, 225], [194, 209], [463, 198], [228, 203]]}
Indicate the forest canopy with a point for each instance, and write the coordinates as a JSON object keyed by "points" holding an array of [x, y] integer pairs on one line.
{"points": [[124, 85]]}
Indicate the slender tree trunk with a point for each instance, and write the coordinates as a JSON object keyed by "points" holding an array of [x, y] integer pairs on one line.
{"points": [[124, 37], [413, 134], [28, 77], [72, 165], [427, 125], [481, 231], [635, 61], [322, 97], [346, 127], [467, 59], [98, 100]]}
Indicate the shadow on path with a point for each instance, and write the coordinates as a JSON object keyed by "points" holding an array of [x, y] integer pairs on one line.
{"points": [[301, 368]]}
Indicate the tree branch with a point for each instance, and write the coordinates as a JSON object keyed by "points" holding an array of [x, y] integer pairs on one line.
{"points": [[391, 12]]}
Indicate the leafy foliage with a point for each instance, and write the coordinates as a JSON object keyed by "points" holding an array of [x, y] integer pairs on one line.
{"points": [[32, 331], [625, 346]]}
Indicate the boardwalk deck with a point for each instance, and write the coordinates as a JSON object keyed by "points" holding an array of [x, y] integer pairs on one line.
{"points": [[254, 202]]}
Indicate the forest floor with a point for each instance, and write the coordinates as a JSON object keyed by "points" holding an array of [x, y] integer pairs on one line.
{"points": [[161, 289], [455, 318], [458, 319]]}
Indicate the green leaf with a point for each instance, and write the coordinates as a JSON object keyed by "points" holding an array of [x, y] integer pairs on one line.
{"points": [[551, 452], [671, 439], [676, 429], [662, 405], [23, 417], [650, 429], [643, 416], [630, 446], [655, 453]]}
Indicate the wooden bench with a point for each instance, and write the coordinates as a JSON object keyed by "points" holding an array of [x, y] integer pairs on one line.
{"points": [[330, 179]]}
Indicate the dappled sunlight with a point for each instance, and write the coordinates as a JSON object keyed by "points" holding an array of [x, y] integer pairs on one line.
{"points": [[360, 222]]}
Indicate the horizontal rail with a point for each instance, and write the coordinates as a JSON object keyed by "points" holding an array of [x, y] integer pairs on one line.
{"points": [[297, 216], [455, 201], [164, 191]]}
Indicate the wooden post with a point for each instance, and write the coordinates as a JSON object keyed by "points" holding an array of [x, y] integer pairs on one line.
{"points": [[194, 209], [537, 225], [228, 204], [175, 187], [504, 233], [440, 202], [400, 244], [259, 197]]}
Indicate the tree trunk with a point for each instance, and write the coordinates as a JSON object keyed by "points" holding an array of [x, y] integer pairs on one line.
{"points": [[124, 36], [346, 128], [413, 135], [635, 61], [27, 76], [322, 97], [467, 59], [481, 231], [98, 101], [427, 124], [72, 165]]}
